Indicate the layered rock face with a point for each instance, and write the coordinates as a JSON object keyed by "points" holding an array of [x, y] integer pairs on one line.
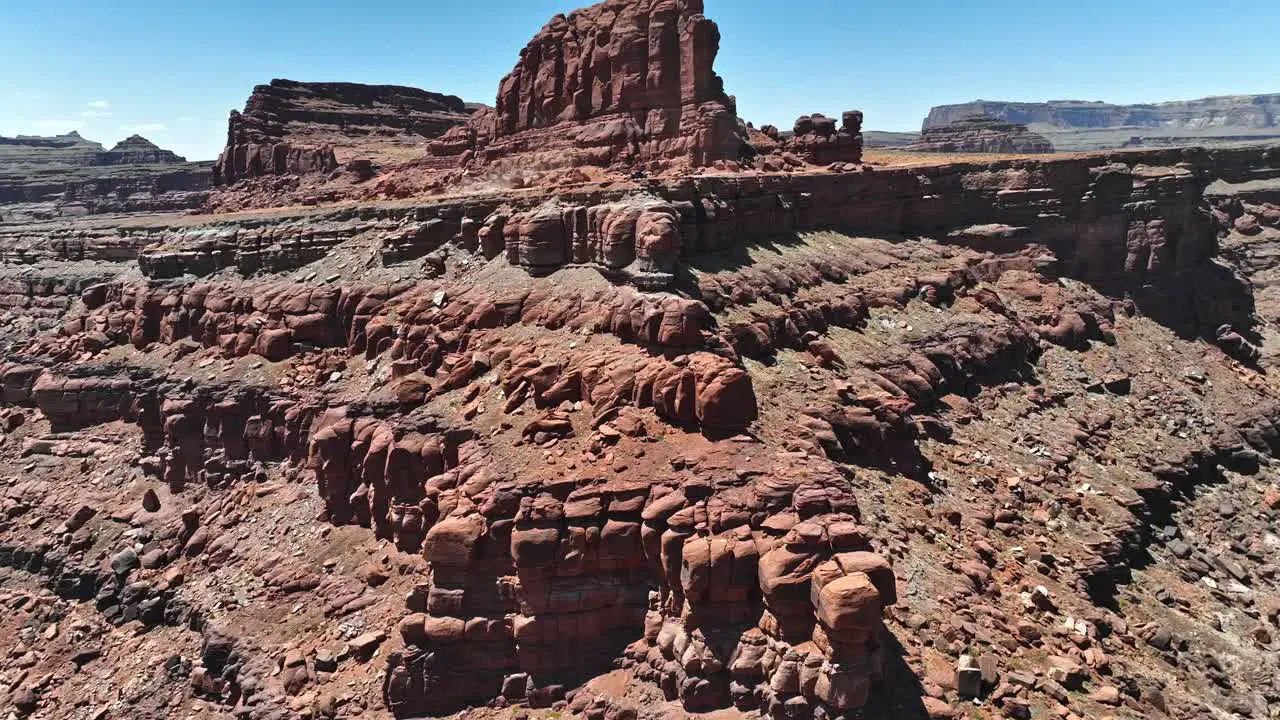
{"points": [[1082, 126], [42, 178], [294, 128], [739, 614], [982, 134], [471, 470], [1127, 222], [137, 150], [621, 83], [1243, 111]]}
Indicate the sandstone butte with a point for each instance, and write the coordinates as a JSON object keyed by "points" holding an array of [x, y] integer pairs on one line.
{"points": [[618, 83], [601, 402]]}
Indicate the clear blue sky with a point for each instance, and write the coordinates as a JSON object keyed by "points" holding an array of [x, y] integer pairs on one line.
{"points": [[173, 69]]}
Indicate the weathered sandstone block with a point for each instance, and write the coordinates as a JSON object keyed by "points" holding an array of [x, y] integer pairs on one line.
{"points": [[621, 83]]}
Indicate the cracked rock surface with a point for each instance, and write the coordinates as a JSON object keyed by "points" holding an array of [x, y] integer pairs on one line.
{"points": [[962, 440]]}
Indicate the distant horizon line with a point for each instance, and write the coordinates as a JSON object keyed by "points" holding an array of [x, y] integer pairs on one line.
{"points": [[76, 132]]}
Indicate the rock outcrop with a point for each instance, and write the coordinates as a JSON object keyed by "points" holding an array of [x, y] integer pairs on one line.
{"points": [[982, 134], [740, 614], [819, 142], [621, 83], [294, 128]]}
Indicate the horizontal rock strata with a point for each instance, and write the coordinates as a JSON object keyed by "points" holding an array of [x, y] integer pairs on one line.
{"points": [[982, 134], [1129, 222], [66, 176], [1253, 111], [293, 128]]}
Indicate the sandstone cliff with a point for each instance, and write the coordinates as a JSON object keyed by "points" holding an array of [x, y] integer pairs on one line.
{"points": [[291, 128], [1242, 111], [617, 84]]}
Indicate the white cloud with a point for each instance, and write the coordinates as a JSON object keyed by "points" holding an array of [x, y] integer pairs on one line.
{"points": [[144, 128], [96, 114], [99, 104]]}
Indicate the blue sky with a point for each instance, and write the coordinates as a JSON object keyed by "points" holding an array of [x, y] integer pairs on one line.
{"points": [[172, 70]]}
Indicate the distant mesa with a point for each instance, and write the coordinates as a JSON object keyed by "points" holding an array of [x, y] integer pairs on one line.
{"points": [[137, 150], [69, 140], [1245, 111], [73, 150], [68, 175], [1088, 125], [294, 128], [982, 134], [887, 139]]}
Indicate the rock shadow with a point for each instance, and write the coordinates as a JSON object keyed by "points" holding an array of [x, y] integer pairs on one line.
{"points": [[900, 694]]}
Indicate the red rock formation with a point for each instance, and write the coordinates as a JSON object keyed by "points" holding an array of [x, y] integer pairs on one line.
{"points": [[818, 141], [293, 128], [76, 402], [741, 602], [638, 237], [621, 83], [252, 151], [814, 140]]}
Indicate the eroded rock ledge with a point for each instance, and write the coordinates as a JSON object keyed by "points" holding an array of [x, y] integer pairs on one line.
{"points": [[293, 128], [1131, 223]]}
